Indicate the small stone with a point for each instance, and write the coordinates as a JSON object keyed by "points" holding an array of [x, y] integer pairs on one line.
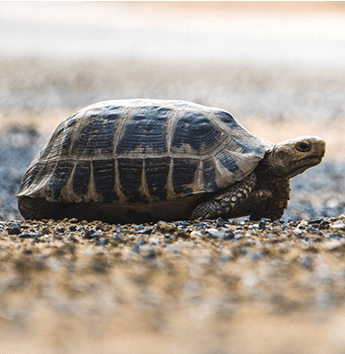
{"points": [[335, 236], [183, 223], [215, 233], [14, 228], [71, 238], [29, 235], [220, 222], [338, 226], [238, 236], [229, 234], [73, 227], [262, 225], [144, 231], [315, 221], [298, 232], [154, 240], [140, 243], [102, 241], [195, 234], [91, 234], [266, 220], [324, 224]]}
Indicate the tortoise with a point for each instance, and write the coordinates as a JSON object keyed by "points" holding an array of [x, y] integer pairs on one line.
{"points": [[146, 160]]}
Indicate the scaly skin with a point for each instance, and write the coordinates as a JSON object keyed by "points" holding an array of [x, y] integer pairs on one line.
{"points": [[273, 208], [226, 201]]}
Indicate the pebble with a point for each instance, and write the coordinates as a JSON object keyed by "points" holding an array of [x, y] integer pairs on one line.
{"points": [[14, 228], [215, 233], [144, 231], [29, 235], [154, 240], [91, 234], [338, 226], [140, 243], [102, 241]]}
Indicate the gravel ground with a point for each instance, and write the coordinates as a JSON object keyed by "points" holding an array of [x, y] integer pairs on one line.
{"points": [[222, 286], [173, 287]]}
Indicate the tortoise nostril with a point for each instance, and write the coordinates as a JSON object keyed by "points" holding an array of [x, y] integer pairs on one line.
{"points": [[303, 147]]}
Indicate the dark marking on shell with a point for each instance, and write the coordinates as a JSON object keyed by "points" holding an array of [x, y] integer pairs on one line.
{"points": [[97, 135], [196, 130], [183, 174], [228, 119], [253, 150], [229, 163], [30, 175], [81, 177], [209, 175], [59, 179], [249, 149], [156, 172], [130, 172], [103, 175], [147, 129]]}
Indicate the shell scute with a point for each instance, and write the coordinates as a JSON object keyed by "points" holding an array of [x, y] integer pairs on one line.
{"points": [[81, 177], [96, 136], [60, 141], [130, 176], [227, 119], [183, 175], [209, 176], [103, 176], [229, 163], [60, 175], [197, 131], [146, 130], [156, 174]]}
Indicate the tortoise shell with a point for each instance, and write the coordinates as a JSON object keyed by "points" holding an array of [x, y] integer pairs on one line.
{"points": [[142, 153]]}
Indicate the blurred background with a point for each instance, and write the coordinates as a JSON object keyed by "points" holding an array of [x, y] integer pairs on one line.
{"points": [[278, 67]]}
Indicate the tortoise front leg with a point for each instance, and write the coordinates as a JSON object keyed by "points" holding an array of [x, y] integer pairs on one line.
{"points": [[273, 208], [226, 201]]}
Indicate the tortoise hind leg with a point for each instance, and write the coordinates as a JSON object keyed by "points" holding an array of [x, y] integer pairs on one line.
{"points": [[39, 208], [226, 201]]}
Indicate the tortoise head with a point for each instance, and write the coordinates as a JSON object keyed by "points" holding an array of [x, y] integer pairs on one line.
{"points": [[292, 157]]}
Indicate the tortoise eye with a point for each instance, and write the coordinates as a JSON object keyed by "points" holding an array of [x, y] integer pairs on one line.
{"points": [[303, 147]]}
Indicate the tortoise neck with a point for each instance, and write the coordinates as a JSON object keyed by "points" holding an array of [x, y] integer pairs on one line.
{"points": [[266, 167]]}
